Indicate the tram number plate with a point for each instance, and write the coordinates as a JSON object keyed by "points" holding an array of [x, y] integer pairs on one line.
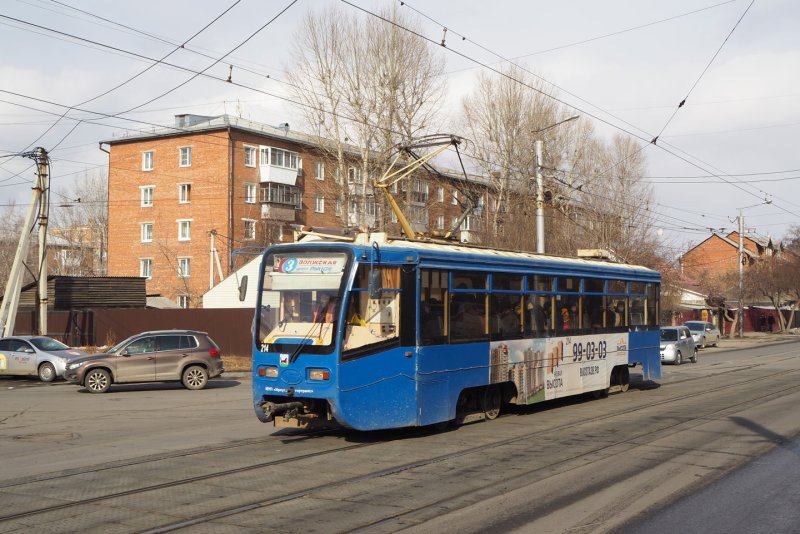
{"points": [[591, 350]]}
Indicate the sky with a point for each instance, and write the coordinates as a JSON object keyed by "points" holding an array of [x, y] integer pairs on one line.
{"points": [[624, 65]]}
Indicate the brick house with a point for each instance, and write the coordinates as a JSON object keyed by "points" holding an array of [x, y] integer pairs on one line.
{"points": [[181, 199], [719, 254]]}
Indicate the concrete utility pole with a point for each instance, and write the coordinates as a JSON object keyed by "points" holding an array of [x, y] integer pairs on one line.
{"points": [[8, 308], [539, 198], [537, 146], [741, 274]]}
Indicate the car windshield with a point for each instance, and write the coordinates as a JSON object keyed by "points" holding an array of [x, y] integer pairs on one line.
{"points": [[47, 344], [300, 297], [121, 344], [669, 335], [695, 327]]}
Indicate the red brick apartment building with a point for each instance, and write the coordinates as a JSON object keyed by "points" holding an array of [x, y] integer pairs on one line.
{"points": [[223, 183]]}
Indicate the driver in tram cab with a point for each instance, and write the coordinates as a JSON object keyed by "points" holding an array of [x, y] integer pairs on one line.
{"points": [[324, 309]]}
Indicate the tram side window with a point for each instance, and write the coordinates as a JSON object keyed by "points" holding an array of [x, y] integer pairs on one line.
{"points": [[468, 308], [538, 315], [592, 311], [653, 293], [433, 296], [506, 316], [616, 314], [373, 320], [566, 313]]}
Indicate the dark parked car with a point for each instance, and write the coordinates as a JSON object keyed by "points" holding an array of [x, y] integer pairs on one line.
{"points": [[168, 355], [35, 356]]}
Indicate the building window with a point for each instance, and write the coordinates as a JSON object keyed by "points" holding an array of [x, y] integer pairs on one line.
{"points": [[354, 175], [392, 217], [146, 268], [319, 204], [419, 192], [337, 207], [184, 267], [319, 170], [440, 222], [184, 229], [147, 232], [440, 194], [454, 202], [277, 157], [369, 206], [393, 188], [249, 156], [250, 193], [148, 160], [184, 193], [147, 195], [249, 229], [185, 159], [183, 301], [281, 194], [469, 223]]}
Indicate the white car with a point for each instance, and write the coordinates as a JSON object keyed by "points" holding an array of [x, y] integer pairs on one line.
{"points": [[704, 333], [677, 345], [35, 356]]}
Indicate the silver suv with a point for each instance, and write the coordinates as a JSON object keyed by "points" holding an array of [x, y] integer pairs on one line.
{"points": [[167, 355], [677, 344]]}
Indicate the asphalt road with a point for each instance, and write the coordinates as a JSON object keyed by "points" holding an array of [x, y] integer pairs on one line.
{"points": [[711, 442]]}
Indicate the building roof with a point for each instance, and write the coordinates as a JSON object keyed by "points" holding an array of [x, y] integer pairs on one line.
{"points": [[189, 124]]}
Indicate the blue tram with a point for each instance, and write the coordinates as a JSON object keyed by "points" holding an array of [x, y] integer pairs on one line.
{"points": [[380, 333]]}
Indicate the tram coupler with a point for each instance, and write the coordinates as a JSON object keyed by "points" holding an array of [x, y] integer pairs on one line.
{"points": [[287, 409]]}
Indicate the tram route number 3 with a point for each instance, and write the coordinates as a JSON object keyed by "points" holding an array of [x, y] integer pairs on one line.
{"points": [[589, 351]]}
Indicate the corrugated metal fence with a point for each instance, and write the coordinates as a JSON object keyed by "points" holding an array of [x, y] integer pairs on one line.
{"points": [[228, 327]]}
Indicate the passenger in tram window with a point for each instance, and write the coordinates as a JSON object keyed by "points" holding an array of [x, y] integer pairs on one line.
{"points": [[510, 320], [536, 317]]}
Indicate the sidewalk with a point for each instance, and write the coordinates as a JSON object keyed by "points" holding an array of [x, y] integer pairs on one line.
{"points": [[752, 339]]}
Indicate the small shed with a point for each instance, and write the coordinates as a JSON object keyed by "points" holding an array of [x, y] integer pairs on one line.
{"points": [[84, 292]]}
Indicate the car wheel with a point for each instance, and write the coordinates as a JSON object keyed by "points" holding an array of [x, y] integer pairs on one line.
{"points": [[194, 377], [694, 356], [678, 359], [47, 373], [97, 381]]}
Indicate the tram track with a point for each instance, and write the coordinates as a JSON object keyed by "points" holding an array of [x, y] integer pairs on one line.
{"points": [[294, 495], [525, 477]]}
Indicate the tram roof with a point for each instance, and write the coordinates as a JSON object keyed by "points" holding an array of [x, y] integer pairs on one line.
{"points": [[431, 250]]}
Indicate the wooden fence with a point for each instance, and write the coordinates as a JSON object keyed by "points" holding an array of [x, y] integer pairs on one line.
{"points": [[230, 328]]}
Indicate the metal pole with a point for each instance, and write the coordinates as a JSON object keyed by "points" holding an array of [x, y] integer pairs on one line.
{"points": [[741, 275], [539, 198]]}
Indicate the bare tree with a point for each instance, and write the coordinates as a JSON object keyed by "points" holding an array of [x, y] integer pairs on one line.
{"points": [[365, 85], [502, 117], [80, 226], [615, 202]]}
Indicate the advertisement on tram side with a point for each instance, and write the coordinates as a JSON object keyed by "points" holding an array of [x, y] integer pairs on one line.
{"points": [[549, 368]]}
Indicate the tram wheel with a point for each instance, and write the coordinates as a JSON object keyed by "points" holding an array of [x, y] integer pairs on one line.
{"points": [[492, 399]]}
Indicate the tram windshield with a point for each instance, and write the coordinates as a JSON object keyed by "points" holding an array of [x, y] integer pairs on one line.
{"points": [[300, 298]]}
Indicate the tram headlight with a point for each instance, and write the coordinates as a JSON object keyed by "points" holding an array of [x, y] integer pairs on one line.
{"points": [[268, 372], [319, 374]]}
